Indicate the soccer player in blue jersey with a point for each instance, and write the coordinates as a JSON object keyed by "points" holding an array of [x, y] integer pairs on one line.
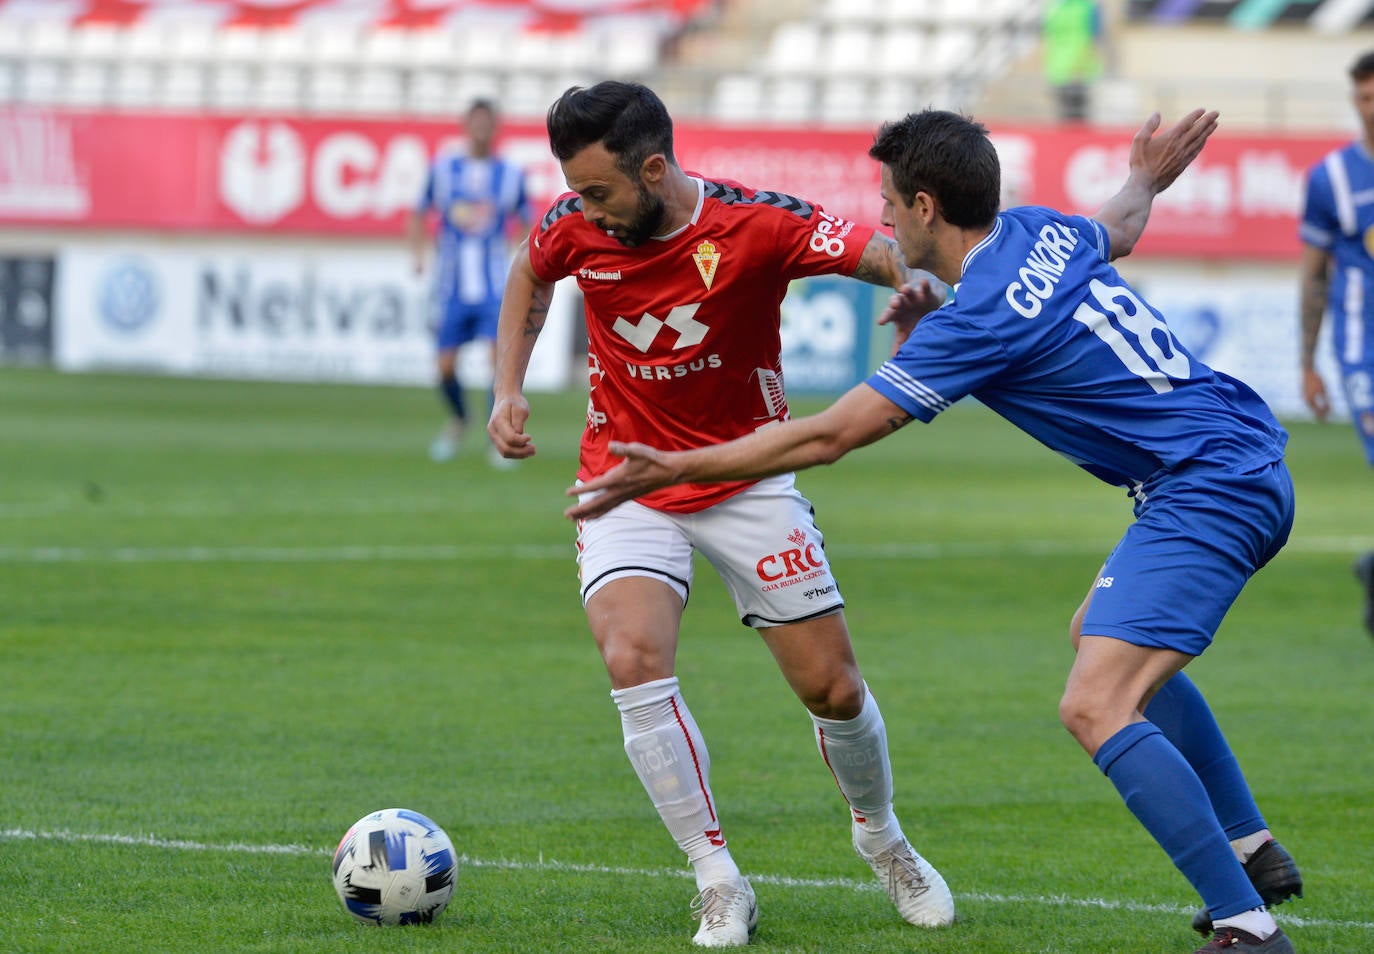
{"points": [[477, 196], [1337, 233], [1045, 332]]}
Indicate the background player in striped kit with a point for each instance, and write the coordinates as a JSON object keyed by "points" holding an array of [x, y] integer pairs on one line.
{"points": [[479, 199], [1337, 233]]}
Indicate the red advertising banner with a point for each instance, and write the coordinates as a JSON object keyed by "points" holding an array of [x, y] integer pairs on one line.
{"points": [[287, 174]]}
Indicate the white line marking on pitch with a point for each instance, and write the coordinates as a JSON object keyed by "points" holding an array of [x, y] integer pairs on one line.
{"points": [[241, 848], [560, 551]]}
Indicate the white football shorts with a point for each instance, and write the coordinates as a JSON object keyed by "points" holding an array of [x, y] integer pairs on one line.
{"points": [[763, 542]]}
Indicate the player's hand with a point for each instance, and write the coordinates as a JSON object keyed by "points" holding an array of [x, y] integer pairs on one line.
{"points": [[506, 428], [1314, 393], [644, 469], [1161, 158], [907, 306]]}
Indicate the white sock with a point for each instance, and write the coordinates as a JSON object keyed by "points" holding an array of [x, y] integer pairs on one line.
{"points": [[856, 752], [669, 756], [1247, 845], [1256, 921]]}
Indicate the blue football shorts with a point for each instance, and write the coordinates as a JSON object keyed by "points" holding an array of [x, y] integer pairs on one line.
{"points": [[461, 323], [1199, 535], [1358, 380]]}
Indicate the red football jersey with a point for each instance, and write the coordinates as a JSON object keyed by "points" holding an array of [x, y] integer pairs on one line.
{"points": [[682, 331]]}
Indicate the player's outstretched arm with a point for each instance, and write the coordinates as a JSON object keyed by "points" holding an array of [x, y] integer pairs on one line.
{"points": [[1313, 290], [860, 417], [524, 309], [1156, 161]]}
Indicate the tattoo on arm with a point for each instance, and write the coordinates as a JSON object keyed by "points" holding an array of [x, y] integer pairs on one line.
{"points": [[539, 311], [1312, 307], [899, 422], [881, 263]]}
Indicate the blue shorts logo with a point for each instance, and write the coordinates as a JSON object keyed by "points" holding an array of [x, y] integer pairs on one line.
{"points": [[129, 296]]}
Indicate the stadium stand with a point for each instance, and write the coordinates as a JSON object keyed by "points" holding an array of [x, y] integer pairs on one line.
{"points": [[746, 61]]}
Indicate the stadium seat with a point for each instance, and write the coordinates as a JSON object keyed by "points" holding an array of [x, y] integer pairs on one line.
{"points": [[41, 82], [9, 81], [795, 48], [847, 50], [182, 87], [278, 87], [790, 99], [87, 84], [327, 89], [630, 50], [738, 97], [231, 86], [845, 101], [378, 90], [904, 52], [852, 11], [136, 84]]}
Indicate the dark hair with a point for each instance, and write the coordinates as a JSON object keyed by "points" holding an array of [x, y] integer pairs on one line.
{"points": [[482, 105], [627, 118], [1363, 67], [947, 156]]}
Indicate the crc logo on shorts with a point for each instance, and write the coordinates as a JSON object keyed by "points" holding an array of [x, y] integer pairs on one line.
{"points": [[804, 560], [128, 297]]}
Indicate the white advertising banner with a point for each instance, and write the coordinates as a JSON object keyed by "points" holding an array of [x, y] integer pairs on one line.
{"points": [[292, 313]]}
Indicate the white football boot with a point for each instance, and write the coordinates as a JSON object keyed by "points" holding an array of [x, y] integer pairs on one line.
{"points": [[728, 914], [915, 887]]}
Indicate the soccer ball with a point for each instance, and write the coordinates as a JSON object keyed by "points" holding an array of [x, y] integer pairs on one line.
{"points": [[395, 866]]}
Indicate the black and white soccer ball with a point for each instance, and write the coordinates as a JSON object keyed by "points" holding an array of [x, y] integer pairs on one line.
{"points": [[395, 866]]}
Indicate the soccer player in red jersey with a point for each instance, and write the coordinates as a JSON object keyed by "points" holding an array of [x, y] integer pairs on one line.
{"points": [[683, 277]]}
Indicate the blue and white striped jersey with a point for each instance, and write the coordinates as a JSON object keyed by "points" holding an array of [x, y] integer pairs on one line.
{"points": [[1046, 333], [1338, 215], [476, 200]]}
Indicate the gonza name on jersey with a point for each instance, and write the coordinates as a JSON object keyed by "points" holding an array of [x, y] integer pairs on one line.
{"points": [[1043, 269]]}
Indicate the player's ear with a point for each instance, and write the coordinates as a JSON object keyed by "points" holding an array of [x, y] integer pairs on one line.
{"points": [[653, 169]]}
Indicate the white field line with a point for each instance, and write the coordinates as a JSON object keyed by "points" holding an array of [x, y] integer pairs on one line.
{"points": [[782, 881], [365, 553]]}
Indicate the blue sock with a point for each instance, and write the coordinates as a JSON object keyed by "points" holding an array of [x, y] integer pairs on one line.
{"points": [[453, 395], [1187, 721], [1164, 794]]}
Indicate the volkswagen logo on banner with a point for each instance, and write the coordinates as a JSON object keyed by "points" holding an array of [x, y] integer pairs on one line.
{"points": [[129, 295]]}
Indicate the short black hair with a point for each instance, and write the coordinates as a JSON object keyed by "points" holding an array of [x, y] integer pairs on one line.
{"points": [[627, 118], [1363, 67], [948, 156], [482, 105]]}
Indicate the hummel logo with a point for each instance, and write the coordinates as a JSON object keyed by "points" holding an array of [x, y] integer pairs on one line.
{"points": [[713, 836], [642, 335]]}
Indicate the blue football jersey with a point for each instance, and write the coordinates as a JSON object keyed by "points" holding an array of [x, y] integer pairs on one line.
{"points": [[476, 199], [1046, 333], [1338, 216]]}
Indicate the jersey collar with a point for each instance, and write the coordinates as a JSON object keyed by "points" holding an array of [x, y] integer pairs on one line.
{"points": [[696, 214]]}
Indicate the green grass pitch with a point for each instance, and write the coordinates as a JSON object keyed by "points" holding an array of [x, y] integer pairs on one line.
{"points": [[235, 617]]}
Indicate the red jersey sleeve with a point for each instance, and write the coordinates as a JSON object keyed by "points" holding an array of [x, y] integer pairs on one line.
{"points": [[821, 244], [549, 256]]}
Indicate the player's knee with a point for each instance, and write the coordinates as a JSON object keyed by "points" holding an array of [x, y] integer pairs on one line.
{"points": [[1080, 714], [447, 366], [632, 660], [839, 696]]}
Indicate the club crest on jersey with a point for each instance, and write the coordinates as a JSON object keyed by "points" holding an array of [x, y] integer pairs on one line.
{"points": [[707, 258]]}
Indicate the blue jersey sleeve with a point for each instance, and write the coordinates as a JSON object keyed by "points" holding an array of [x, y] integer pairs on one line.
{"points": [[947, 357], [1092, 232], [1320, 225]]}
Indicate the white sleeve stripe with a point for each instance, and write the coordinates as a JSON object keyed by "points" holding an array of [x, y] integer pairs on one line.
{"points": [[1340, 191], [1314, 236], [912, 388]]}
